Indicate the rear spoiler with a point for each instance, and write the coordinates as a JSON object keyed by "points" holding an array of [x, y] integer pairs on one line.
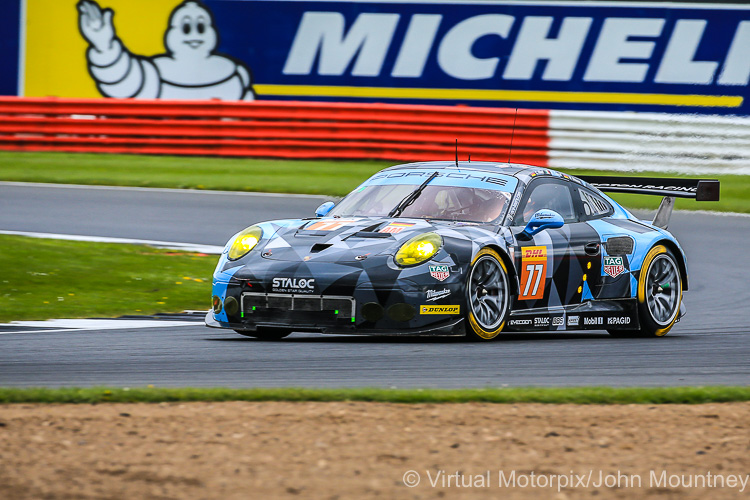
{"points": [[698, 189]]}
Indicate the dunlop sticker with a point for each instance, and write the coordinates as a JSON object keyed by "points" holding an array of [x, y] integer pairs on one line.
{"points": [[440, 309]]}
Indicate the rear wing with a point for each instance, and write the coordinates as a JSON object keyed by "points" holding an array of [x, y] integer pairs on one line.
{"points": [[698, 189]]}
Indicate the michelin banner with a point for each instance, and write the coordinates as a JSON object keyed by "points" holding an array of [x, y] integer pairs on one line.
{"points": [[690, 58]]}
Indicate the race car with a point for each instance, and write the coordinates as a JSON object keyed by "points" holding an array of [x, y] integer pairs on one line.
{"points": [[471, 249]]}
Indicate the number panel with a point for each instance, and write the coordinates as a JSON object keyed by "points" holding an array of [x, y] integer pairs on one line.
{"points": [[533, 272]]}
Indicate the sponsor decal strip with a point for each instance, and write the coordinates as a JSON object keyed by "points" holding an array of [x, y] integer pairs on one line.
{"points": [[572, 321], [330, 224], [396, 227], [720, 101]]}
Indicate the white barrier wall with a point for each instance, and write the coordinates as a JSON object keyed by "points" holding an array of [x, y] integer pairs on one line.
{"points": [[630, 141]]}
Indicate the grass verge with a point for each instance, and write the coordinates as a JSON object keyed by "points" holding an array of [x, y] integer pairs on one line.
{"points": [[227, 174], [582, 395], [328, 177], [44, 279]]}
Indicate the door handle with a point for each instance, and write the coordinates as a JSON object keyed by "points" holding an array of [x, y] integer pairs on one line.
{"points": [[592, 248]]}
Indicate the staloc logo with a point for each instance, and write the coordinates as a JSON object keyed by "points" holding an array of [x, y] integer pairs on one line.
{"points": [[589, 44], [294, 283]]}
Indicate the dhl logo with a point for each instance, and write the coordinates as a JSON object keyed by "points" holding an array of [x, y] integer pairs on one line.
{"points": [[535, 253], [440, 310]]}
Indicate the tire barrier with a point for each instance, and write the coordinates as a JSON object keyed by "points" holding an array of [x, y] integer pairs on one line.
{"points": [[656, 142], [564, 139]]}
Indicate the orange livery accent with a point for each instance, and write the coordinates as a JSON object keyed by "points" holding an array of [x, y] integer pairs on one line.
{"points": [[533, 273]]}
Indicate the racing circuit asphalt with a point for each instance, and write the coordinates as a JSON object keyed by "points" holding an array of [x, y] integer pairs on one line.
{"points": [[710, 346]]}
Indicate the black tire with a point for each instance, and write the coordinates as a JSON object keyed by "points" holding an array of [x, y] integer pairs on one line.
{"points": [[659, 295], [487, 296], [266, 333]]}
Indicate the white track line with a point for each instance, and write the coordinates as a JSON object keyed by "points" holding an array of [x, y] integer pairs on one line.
{"points": [[173, 245], [165, 190], [78, 325]]}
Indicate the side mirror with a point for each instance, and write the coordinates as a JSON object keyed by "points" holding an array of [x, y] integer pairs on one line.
{"points": [[323, 209], [541, 220]]}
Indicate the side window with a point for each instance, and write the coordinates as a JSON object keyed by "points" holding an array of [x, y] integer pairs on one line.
{"points": [[546, 193], [594, 206]]}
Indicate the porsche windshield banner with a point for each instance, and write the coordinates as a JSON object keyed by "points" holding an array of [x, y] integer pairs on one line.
{"points": [[690, 58]]}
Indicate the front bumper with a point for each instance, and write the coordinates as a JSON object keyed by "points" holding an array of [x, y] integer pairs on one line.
{"points": [[450, 328], [373, 298]]}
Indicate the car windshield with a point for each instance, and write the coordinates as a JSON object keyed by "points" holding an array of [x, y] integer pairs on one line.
{"points": [[470, 197]]}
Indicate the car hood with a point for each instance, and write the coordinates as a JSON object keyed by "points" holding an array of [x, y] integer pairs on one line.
{"points": [[345, 239]]}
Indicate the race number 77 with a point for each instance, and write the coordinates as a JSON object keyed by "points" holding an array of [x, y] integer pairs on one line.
{"points": [[533, 272]]}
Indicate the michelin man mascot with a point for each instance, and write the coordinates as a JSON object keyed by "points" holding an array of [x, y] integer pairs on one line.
{"points": [[189, 70]]}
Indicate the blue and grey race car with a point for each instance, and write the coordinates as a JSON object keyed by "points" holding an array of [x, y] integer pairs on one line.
{"points": [[469, 249]]}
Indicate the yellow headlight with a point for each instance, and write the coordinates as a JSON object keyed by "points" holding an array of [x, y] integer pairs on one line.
{"points": [[418, 249], [244, 242]]}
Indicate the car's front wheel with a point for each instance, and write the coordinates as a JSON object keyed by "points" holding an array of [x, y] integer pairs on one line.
{"points": [[659, 295], [488, 296]]}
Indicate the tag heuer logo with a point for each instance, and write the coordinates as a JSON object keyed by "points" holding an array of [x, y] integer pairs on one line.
{"points": [[440, 273], [613, 266]]}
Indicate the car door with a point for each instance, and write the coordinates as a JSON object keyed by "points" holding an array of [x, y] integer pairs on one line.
{"points": [[613, 274], [556, 267]]}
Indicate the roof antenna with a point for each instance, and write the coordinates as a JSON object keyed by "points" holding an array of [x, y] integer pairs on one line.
{"points": [[512, 133], [459, 168]]}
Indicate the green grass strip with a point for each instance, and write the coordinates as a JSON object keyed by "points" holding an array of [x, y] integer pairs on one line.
{"points": [[334, 178], [582, 395], [44, 279], [328, 177]]}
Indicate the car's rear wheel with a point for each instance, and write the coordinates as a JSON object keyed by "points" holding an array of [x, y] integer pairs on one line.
{"points": [[659, 295], [266, 333], [488, 296]]}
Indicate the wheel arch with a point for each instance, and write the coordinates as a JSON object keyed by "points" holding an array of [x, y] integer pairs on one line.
{"points": [[677, 252], [514, 286]]}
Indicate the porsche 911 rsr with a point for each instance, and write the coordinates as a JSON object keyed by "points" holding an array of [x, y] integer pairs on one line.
{"points": [[469, 249]]}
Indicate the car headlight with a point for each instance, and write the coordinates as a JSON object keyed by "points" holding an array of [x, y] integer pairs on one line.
{"points": [[418, 249], [244, 242]]}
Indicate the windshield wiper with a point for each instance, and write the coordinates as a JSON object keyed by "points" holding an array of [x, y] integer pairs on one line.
{"points": [[411, 197]]}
